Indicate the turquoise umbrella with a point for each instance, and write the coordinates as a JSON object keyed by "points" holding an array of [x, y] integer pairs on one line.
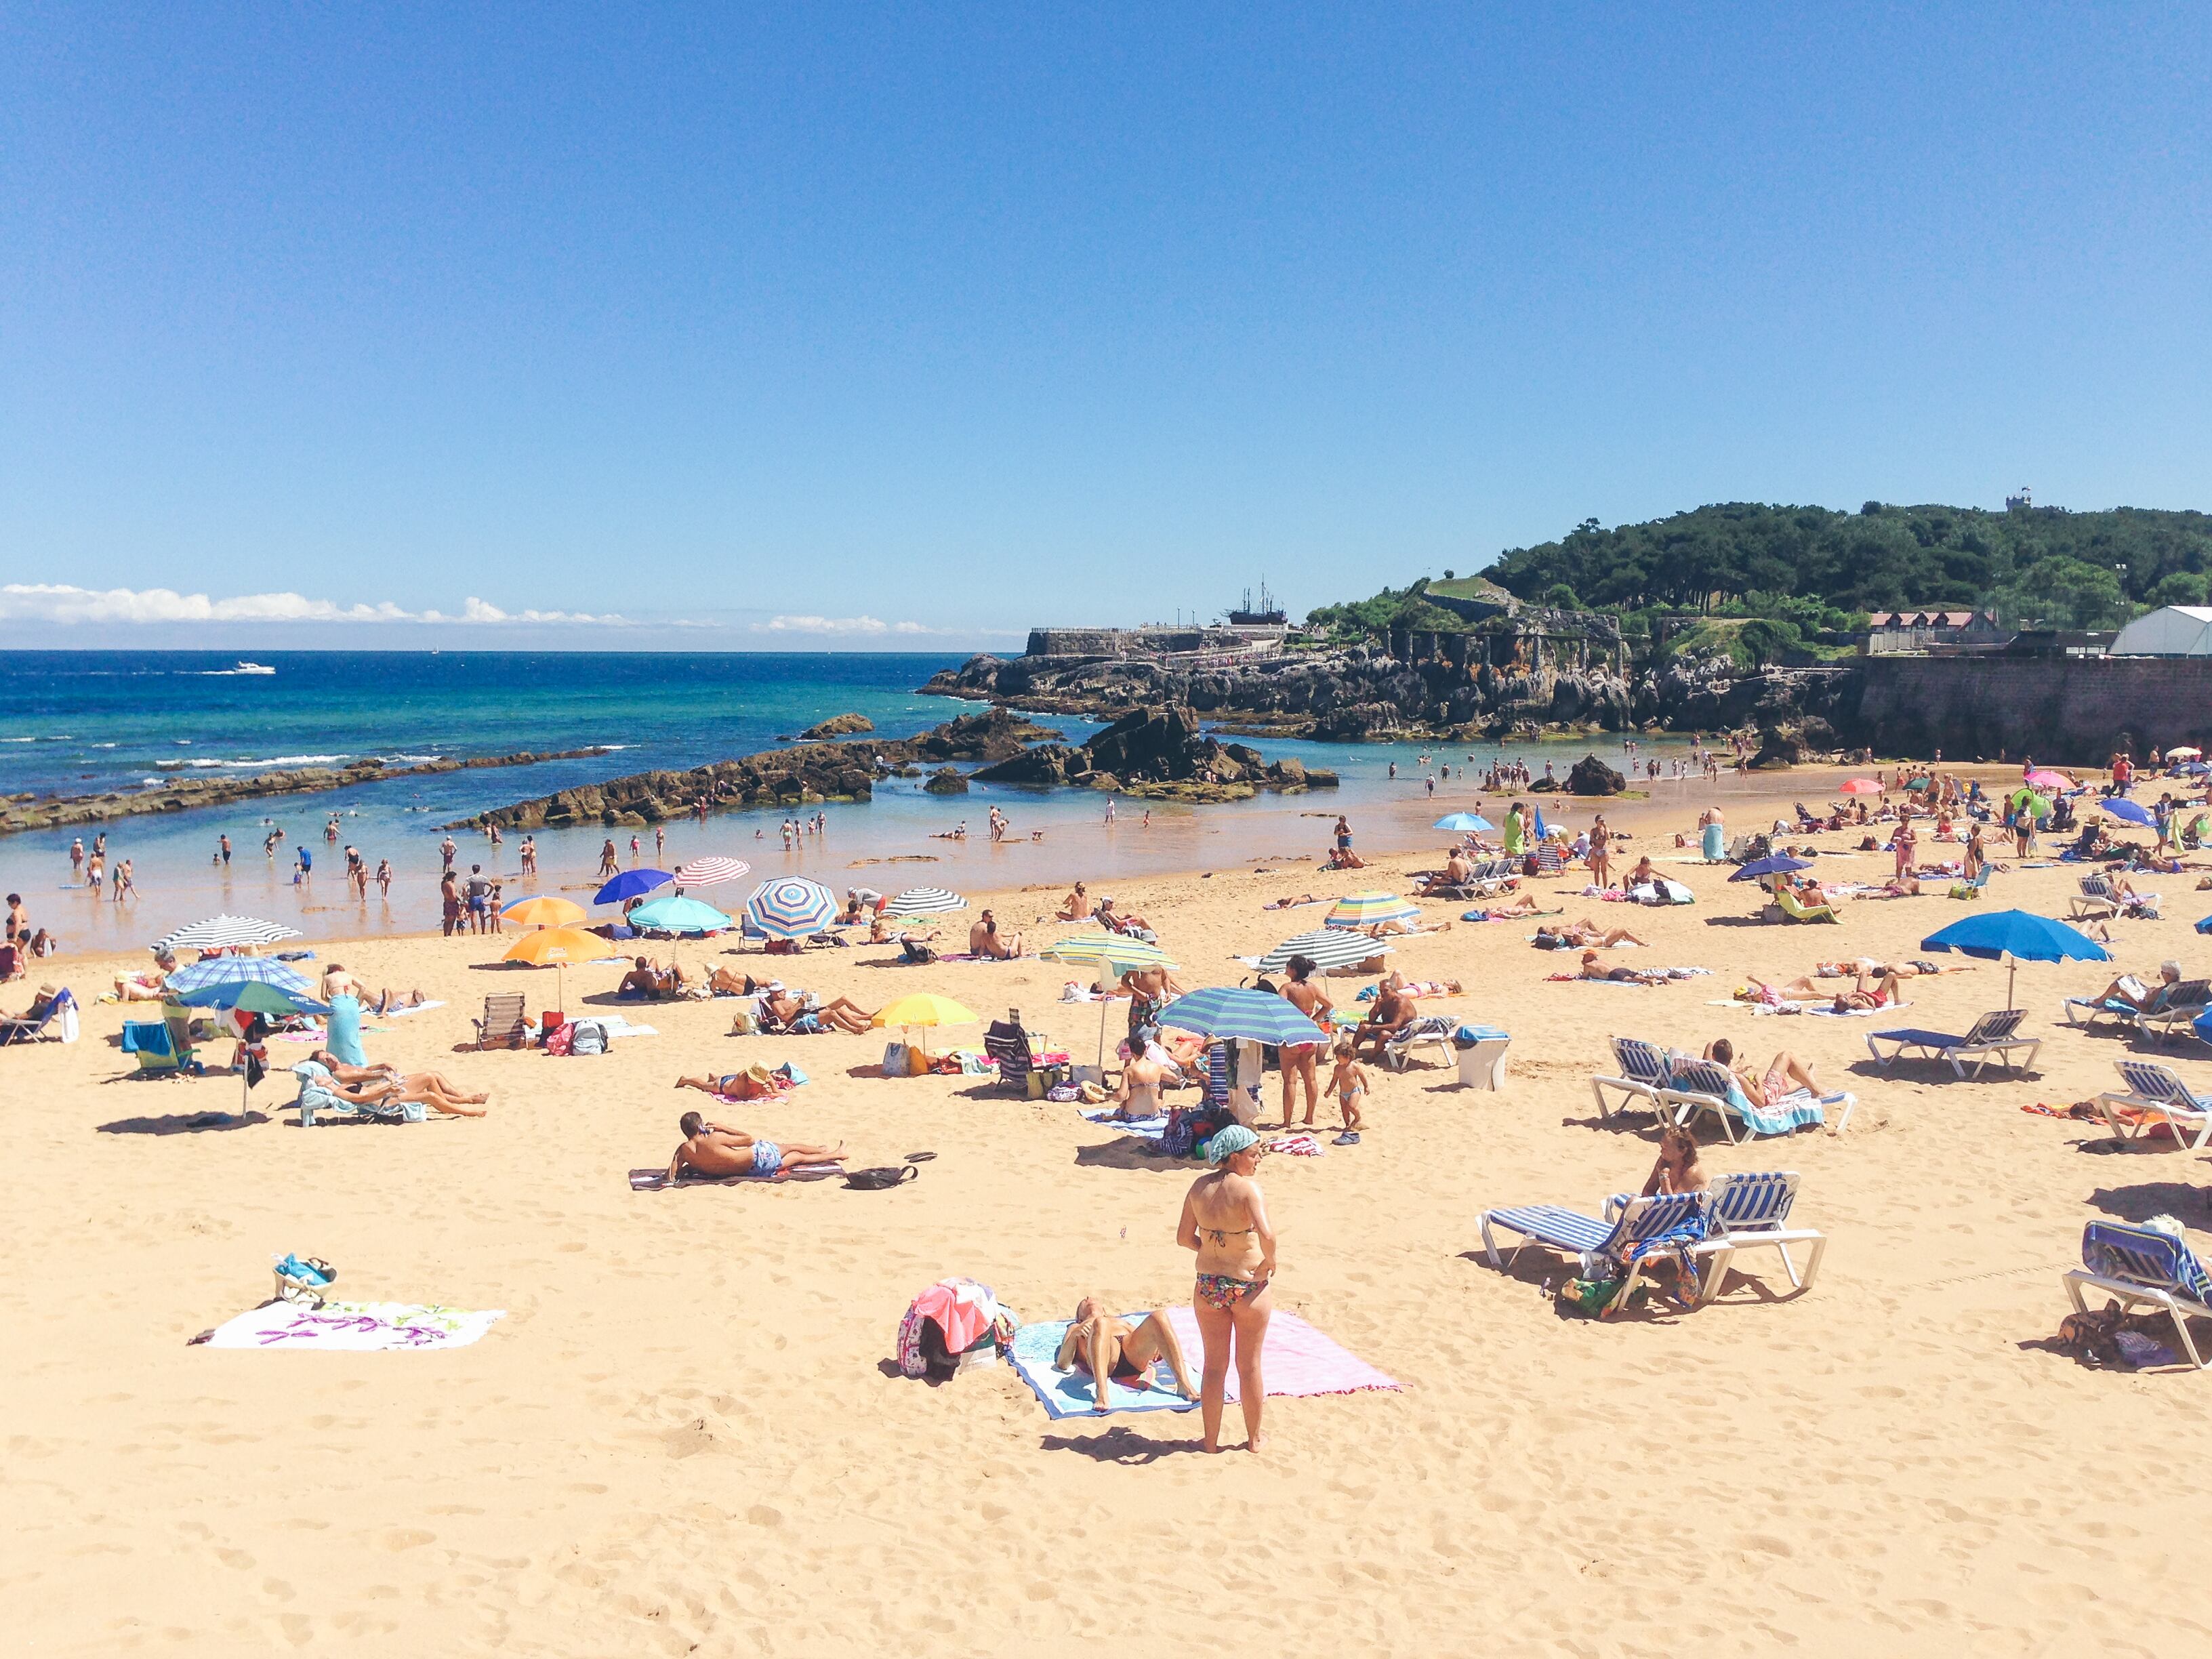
{"points": [[678, 914]]}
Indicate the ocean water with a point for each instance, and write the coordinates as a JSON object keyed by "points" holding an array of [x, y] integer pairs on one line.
{"points": [[73, 721]]}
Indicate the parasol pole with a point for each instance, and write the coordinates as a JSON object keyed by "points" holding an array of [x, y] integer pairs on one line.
{"points": [[2012, 972]]}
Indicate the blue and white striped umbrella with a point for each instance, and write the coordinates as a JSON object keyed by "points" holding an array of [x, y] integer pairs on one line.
{"points": [[791, 907], [924, 901], [223, 933], [1224, 1010], [1326, 948], [239, 970]]}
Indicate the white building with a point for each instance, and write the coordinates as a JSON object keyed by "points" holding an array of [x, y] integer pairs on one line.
{"points": [[2175, 630]]}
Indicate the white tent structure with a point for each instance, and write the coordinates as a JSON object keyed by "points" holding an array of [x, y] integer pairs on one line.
{"points": [[2174, 630]]}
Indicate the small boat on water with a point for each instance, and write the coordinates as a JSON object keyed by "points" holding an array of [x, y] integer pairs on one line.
{"points": [[243, 667]]}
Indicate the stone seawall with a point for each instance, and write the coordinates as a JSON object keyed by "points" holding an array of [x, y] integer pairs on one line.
{"points": [[2072, 711]]}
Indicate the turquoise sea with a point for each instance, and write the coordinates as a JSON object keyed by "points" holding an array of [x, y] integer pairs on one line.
{"points": [[73, 721]]}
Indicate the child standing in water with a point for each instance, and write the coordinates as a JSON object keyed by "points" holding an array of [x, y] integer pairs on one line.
{"points": [[1348, 1083]]}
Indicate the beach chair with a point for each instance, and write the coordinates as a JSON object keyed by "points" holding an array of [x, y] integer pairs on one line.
{"points": [[1424, 1031], [1747, 1211], [1547, 857], [150, 1041], [504, 1024], [1974, 889], [2178, 1013], [1739, 850], [1791, 907], [2143, 1264], [1643, 1075], [1993, 1036], [2100, 899], [1695, 1088], [1007, 1042], [2085, 1013], [56, 1023], [2155, 1094], [1616, 1246]]}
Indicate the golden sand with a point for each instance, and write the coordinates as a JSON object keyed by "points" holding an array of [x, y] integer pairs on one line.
{"points": [[687, 1435]]}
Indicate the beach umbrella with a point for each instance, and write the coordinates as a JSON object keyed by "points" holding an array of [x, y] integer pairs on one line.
{"points": [[557, 948], [218, 971], [675, 913], [1921, 783], [2129, 811], [2013, 937], [1860, 787], [2037, 806], [791, 907], [1778, 864], [705, 872], [1326, 947], [923, 902], [1542, 834], [923, 1008], [631, 884], [2044, 778], [1368, 908], [544, 911], [1107, 956], [1228, 1012], [224, 933], [1463, 822], [2187, 751]]}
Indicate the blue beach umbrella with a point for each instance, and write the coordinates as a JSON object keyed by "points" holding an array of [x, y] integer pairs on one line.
{"points": [[2015, 937], [1224, 1010], [1464, 823], [631, 884], [1779, 864], [676, 914], [1542, 834], [2131, 811], [218, 972]]}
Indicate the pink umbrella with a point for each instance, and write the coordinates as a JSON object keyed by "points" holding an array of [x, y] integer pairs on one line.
{"points": [[1862, 787], [2044, 778]]}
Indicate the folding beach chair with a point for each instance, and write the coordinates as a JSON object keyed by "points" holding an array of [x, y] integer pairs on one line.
{"points": [[1972, 890], [56, 1023], [504, 1024], [1643, 1075], [1007, 1042], [1697, 1087], [150, 1042], [1547, 857], [2155, 1094], [1673, 1220], [2142, 1265], [1426, 1030], [1748, 1210], [2099, 898], [1796, 911], [1991, 1038]]}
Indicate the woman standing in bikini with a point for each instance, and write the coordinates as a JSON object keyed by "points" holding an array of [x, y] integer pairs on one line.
{"points": [[1224, 1220], [1302, 1060]]}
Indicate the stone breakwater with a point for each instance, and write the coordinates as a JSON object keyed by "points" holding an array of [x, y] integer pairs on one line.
{"points": [[21, 812]]}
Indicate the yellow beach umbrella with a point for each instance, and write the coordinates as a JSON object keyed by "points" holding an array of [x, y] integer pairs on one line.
{"points": [[544, 911], [923, 1008], [555, 948]]}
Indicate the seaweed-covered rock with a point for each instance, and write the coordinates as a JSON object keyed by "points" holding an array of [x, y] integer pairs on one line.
{"points": [[947, 781], [839, 726]]}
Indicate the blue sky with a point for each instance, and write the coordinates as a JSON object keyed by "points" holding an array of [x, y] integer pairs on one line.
{"points": [[815, 327]]}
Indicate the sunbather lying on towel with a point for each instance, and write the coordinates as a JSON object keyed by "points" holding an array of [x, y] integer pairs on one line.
{"points": [[1521, 904], [1784, 1074], [1101, 1344], [984, 940], [801, 1013], [1290, 903], [1584, 932], [1859, 965], [714, 1151], [1417, 988], [430, 1088], [1617, 973], [1678, 1170], [1874, 987]]}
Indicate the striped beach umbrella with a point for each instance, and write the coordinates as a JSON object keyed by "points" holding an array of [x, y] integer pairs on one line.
{"points": [[1326, 948], [791, 907], [225, 932], [1110, 956], [924, 901], [706, 873], [1368, 908], [1223, 1011]]}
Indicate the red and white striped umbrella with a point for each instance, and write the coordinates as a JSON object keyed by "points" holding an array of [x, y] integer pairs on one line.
{"points": [[705, 872]]}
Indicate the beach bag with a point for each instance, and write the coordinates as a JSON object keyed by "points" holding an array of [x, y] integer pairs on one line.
{"points": [[879, 1180], [588, 1036], [556, 1041], [895, 1063]]}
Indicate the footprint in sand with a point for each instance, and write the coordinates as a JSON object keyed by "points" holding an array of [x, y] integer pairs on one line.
{"points": [[405, 1538]]}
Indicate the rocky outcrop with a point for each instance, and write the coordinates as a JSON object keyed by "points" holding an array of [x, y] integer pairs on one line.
{"points": [[947, 781], [839, 726], [1592, 777], [1158, 752], [32, 812], [995, 734]]}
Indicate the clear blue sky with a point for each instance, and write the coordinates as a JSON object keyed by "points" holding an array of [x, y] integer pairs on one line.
{"points": [[965, 320]]}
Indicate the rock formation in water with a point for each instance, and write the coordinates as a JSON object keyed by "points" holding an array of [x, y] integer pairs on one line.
{"points": [[1158, 753]]}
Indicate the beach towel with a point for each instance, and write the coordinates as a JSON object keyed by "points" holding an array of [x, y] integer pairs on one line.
{"points": [[615, 1026], [354, 1327], [1147, 1128], [417, 1008], [657, 1181], [1297, 1360], [1781, 1117]]}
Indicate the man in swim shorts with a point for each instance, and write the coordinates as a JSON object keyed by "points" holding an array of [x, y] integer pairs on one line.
{"points": [[1102, 1344], [713, 1152]]}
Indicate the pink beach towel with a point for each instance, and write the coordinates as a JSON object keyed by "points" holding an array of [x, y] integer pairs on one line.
{"points": [[1297, 1359]]}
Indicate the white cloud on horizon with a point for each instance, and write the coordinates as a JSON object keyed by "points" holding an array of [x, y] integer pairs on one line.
{"points": [[838, 625], [64, 604]]}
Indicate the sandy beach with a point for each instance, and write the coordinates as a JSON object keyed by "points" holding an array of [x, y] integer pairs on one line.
{"points": [[687, 1434]]}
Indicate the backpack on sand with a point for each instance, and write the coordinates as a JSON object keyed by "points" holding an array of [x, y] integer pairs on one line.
{"points": [[588, 1036]]}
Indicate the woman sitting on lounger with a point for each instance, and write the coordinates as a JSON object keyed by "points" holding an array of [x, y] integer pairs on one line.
{"points": [[1617, 974], [1678, 1170], [715, 1151], [1101, 1344], [1785, 1074]]}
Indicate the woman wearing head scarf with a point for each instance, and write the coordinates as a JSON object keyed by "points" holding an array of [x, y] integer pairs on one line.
{"points": [[1224, 1220]]}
